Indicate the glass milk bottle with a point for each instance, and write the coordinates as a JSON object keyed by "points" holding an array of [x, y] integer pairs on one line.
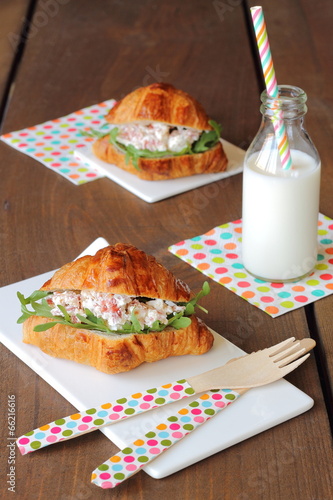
{"points": [[280, 207]]}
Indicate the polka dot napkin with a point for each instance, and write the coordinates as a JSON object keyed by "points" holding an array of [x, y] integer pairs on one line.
{"points": [[217, 254], [52, 143]]}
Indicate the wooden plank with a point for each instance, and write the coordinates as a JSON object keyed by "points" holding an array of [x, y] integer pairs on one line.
{"points": [[321, 123], [86, 55], [12, 20]]}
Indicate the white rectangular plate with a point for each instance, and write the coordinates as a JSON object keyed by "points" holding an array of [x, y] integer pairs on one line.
{"points": [[85, 387], [152, 191]]}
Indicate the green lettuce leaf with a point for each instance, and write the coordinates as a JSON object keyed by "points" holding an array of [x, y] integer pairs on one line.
{"points": [[208, 140]]}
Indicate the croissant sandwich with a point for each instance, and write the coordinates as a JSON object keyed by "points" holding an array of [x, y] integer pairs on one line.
{"points": [[114, 311], [160, 132]]}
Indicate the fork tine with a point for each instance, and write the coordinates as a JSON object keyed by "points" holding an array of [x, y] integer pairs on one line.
{"points": [[285, 361], [275, 349], [286, 352], [289, 368]]}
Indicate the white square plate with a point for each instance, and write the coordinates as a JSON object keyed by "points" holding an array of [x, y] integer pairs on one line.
{"points": [[152, 191], [85, 387]]}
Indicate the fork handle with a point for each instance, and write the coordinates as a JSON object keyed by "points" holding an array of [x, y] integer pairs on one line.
{"points": [[95, 418], [143, 450]]}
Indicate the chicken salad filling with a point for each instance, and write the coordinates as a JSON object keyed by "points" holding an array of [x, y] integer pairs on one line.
{"points": [[115, 309], [108, 313], [157, 139], [157, 136]]}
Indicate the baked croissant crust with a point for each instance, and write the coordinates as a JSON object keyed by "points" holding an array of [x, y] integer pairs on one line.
{"points": [[125, 270], [117, 353], [120, 269], [163, 103], [160, 102]]}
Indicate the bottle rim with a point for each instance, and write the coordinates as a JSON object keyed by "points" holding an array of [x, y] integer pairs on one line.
{"points": [[287, 93], [291, 101]]}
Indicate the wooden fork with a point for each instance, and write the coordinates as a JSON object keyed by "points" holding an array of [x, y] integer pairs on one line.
{"points": [[253, 370], [256, 369], [250, 370]]}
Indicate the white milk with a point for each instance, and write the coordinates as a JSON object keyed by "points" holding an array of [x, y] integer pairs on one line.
{"points": [[280, 216]]}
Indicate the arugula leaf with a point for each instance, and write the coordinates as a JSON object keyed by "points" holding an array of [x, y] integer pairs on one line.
{"points": [[113, 135], [41, 310], [217, 127], [194, 302], [182, 322], [45, 326], [155, 327], [208, 140], [205, 142], [189, 309], [96, 134], [135, 322], [37, 295]]}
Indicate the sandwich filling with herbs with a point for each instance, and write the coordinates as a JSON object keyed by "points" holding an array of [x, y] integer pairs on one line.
{"points": [[108, 313], [158, 140]]}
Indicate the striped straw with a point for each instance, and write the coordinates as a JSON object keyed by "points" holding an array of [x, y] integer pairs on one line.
{"points": [[271, 85]]}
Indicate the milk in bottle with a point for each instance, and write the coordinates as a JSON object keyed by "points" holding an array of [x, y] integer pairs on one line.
{"points": [[280, 207]]}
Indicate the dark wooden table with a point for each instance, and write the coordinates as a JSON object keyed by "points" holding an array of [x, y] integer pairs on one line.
{"points": [[58, 56]]}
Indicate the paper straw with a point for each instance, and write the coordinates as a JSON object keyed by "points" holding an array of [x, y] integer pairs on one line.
{"points": [[271, 85]]}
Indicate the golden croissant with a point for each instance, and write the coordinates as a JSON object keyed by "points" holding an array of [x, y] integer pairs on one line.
{"points": [[161, 133], [114, 311]]}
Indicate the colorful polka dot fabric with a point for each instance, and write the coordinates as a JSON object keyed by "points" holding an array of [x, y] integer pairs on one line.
{"points": [[106, 414], [52, 143], [135, 456], [217, 254]]}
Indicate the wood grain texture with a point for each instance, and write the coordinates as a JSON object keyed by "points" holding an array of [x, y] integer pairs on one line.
{"points": [[12, 19], [89, 52]]}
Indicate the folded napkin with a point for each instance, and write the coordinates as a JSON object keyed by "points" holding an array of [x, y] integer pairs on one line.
{"points": [[52, 143], [217, 254]]}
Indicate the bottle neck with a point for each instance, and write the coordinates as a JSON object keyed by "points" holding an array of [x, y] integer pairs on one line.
{"points": [[291, 101], [264, 147]]}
